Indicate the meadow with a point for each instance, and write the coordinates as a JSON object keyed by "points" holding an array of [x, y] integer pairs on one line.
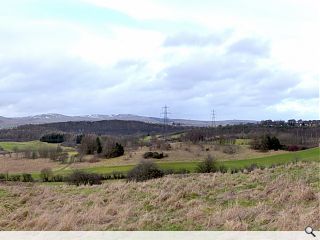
{"points": [[178, 159]]}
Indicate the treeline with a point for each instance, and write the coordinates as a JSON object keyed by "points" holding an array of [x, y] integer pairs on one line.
{"points": [[287, 135], [106, 127], [54, 153]]}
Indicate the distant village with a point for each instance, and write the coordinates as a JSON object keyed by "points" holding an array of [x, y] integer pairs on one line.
{"points": [[291, 122]]}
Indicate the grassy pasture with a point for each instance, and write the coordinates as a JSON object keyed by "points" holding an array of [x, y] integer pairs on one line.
{"points": [[31, 145], [305, 155]]}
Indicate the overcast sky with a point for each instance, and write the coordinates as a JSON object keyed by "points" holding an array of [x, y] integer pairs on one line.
{"points": [[246, 59]]}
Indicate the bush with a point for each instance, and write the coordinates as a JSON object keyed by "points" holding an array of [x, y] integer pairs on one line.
{"points": [[27, 177], [293, 148], [252, 167], [14, 178], [116, 151], [207, 166], [82, 178], [266, 143], [118, 175], [57, 178], [144, 171], [3, 177], [155, 155], [46, 174]]}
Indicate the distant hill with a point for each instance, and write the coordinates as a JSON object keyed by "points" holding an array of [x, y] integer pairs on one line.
{"points": [[54, 118], [104, 127]]}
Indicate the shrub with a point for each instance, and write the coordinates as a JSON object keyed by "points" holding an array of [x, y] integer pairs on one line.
{"points": [[15, 178], [207, 166], [293, 148], [118, 175], [46, 174], [57, 178], [252, 167], [3, 177], [82, 178], [144, 171], [116, 151], [99, 146], [155, 155], [266, 143], [27, 177]]}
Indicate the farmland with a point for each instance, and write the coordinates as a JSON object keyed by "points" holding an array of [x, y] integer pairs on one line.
{"points": [[178, 159]]}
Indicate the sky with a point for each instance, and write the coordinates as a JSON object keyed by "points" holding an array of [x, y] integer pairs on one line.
{"points": [[245, 59]]}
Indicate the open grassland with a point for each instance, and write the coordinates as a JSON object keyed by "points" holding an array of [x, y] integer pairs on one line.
{"points": [[282, 198], [13, 165], [31, 145], [305, 155]]}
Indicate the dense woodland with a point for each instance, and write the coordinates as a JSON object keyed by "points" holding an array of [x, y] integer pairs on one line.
{"points": [[106, 127]]}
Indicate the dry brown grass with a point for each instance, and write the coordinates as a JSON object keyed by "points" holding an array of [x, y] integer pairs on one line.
{"points": [[20, 165], [284, 198], [180, 152]]}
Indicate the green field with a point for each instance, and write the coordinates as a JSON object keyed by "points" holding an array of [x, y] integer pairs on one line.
{"points": [[305, 155], [243, 141], [31, 145]]}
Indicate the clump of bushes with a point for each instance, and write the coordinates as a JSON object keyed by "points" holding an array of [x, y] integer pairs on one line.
{"points": [[207, 166], [27, 177], [265, 143], [116, 151], [57, 178], [3, 177], [155, 155], [46, 174], [293, 148], [14, 178], [82, 178], [144, 171]]}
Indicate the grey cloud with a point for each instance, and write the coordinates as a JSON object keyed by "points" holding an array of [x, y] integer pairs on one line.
{"points": [[194, 39], [250, 46], [224, 81], [42, 84]]}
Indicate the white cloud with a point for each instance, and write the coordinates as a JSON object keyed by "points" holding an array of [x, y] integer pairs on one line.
{"points": [[242, 57]]}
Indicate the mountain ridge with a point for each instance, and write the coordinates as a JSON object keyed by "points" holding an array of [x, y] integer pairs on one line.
{"points": [[7, 122]]}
